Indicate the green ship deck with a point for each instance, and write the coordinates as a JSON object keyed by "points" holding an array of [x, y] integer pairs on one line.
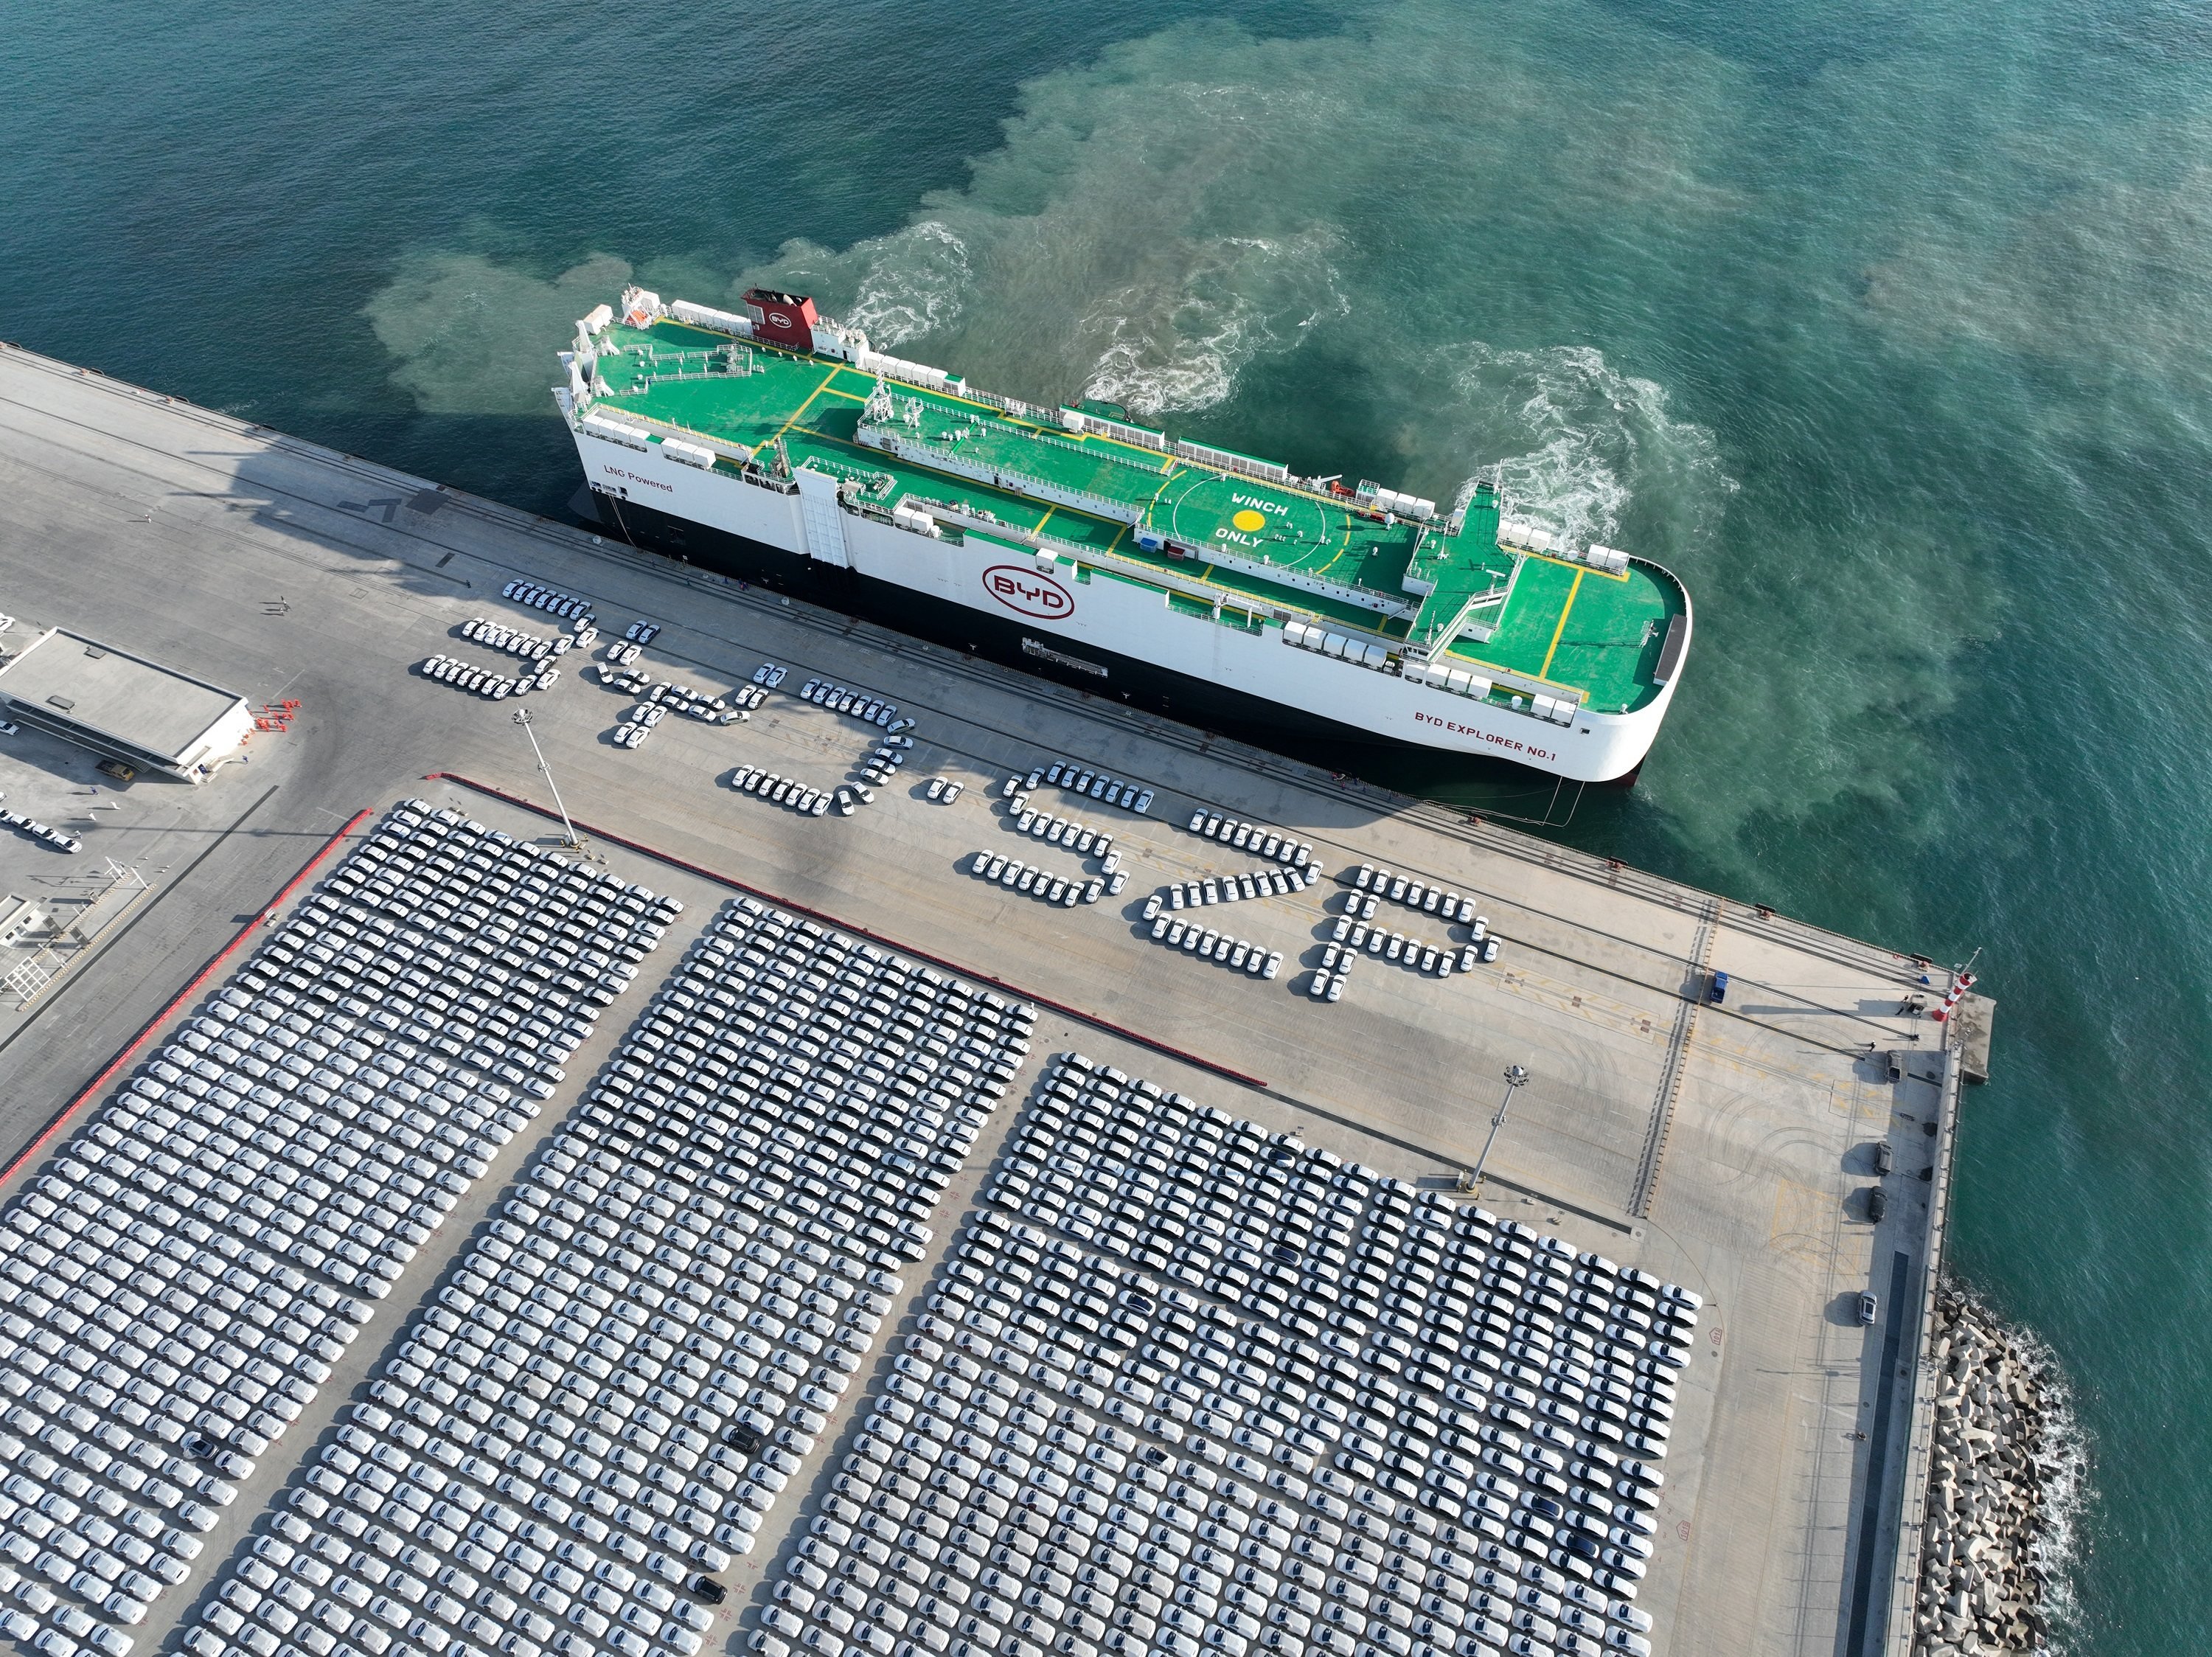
{"points": [[1270, 550]]}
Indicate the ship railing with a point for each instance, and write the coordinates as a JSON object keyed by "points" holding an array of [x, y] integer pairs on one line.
{"points": [[940, 458], [1013, 405], [1284, 576], [1230, 461], [712, 363], [728, 448], [969, 516], [1142, 437], [1456, 520], [1106, 454]]}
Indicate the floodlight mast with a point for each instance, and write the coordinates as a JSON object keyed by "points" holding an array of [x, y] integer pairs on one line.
{"points": [[1516, 1078], [522, 718]]}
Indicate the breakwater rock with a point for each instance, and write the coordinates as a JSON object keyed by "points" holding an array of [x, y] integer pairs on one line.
{"points": [[2002, 1481]]}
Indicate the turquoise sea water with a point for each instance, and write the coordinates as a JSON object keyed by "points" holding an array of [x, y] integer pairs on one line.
{"points": [[1885, 325]]}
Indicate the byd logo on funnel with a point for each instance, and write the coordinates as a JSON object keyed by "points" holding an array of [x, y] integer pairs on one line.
{"points": [[1028, 594]]}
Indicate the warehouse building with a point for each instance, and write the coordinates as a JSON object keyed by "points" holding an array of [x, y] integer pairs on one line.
{"points": [[123, 706]]}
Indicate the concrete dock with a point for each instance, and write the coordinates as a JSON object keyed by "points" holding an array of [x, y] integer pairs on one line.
{"points": [[1729, 1148]]}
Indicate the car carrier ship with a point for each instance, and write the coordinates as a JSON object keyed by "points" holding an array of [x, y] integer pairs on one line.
{"points": [[1078, 543]]}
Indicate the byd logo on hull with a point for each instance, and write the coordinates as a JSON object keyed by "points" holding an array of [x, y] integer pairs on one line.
{"points": [[1028, 594]]}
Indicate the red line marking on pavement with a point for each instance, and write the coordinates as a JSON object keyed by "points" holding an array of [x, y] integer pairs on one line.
{"points": [[179, 999], [736, 884]]}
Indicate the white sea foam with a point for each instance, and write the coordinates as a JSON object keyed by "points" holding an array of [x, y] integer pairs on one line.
{"points": [[917, 283], [1178, 341], [2064, 1459], [1576, 442]]}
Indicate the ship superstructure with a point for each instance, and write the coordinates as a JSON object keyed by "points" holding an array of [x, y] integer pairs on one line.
{"points": [[1077, 541]]}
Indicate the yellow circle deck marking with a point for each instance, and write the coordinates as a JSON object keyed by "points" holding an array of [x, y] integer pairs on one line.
{"points": [[1245, 516]]}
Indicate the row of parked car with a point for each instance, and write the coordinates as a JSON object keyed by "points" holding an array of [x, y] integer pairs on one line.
{"points": [[803, 798], [724, 710], [498, 636], [641, 1356], [880, 767], [176, 1286], [60, 840], [1412, 953], [1211, 943], [538, 597], [1251, 837], [1382, 885], [1230, 888], [841, 699], [1079, 838], [1032, 882], [1083, 780], [482, 681], [1469, 1394], [1339, 958]]}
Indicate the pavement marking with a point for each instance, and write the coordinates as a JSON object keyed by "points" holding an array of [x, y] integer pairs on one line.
{"points": [[214, 962], [1801, 1227], [1573, 587], [809, 403], [120, 932], [1370, 1131]]}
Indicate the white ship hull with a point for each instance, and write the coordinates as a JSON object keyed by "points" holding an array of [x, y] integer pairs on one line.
{"points": [[1093, 625]]}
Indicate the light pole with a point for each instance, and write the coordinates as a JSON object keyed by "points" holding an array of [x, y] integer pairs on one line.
{"points": [[522, 718], [1515, 1077]]}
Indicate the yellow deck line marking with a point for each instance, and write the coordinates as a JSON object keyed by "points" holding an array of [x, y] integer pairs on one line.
{"points": [[1543, 672], [809, 403], [1170, 460], [1519, 672], [1045, 520]]}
